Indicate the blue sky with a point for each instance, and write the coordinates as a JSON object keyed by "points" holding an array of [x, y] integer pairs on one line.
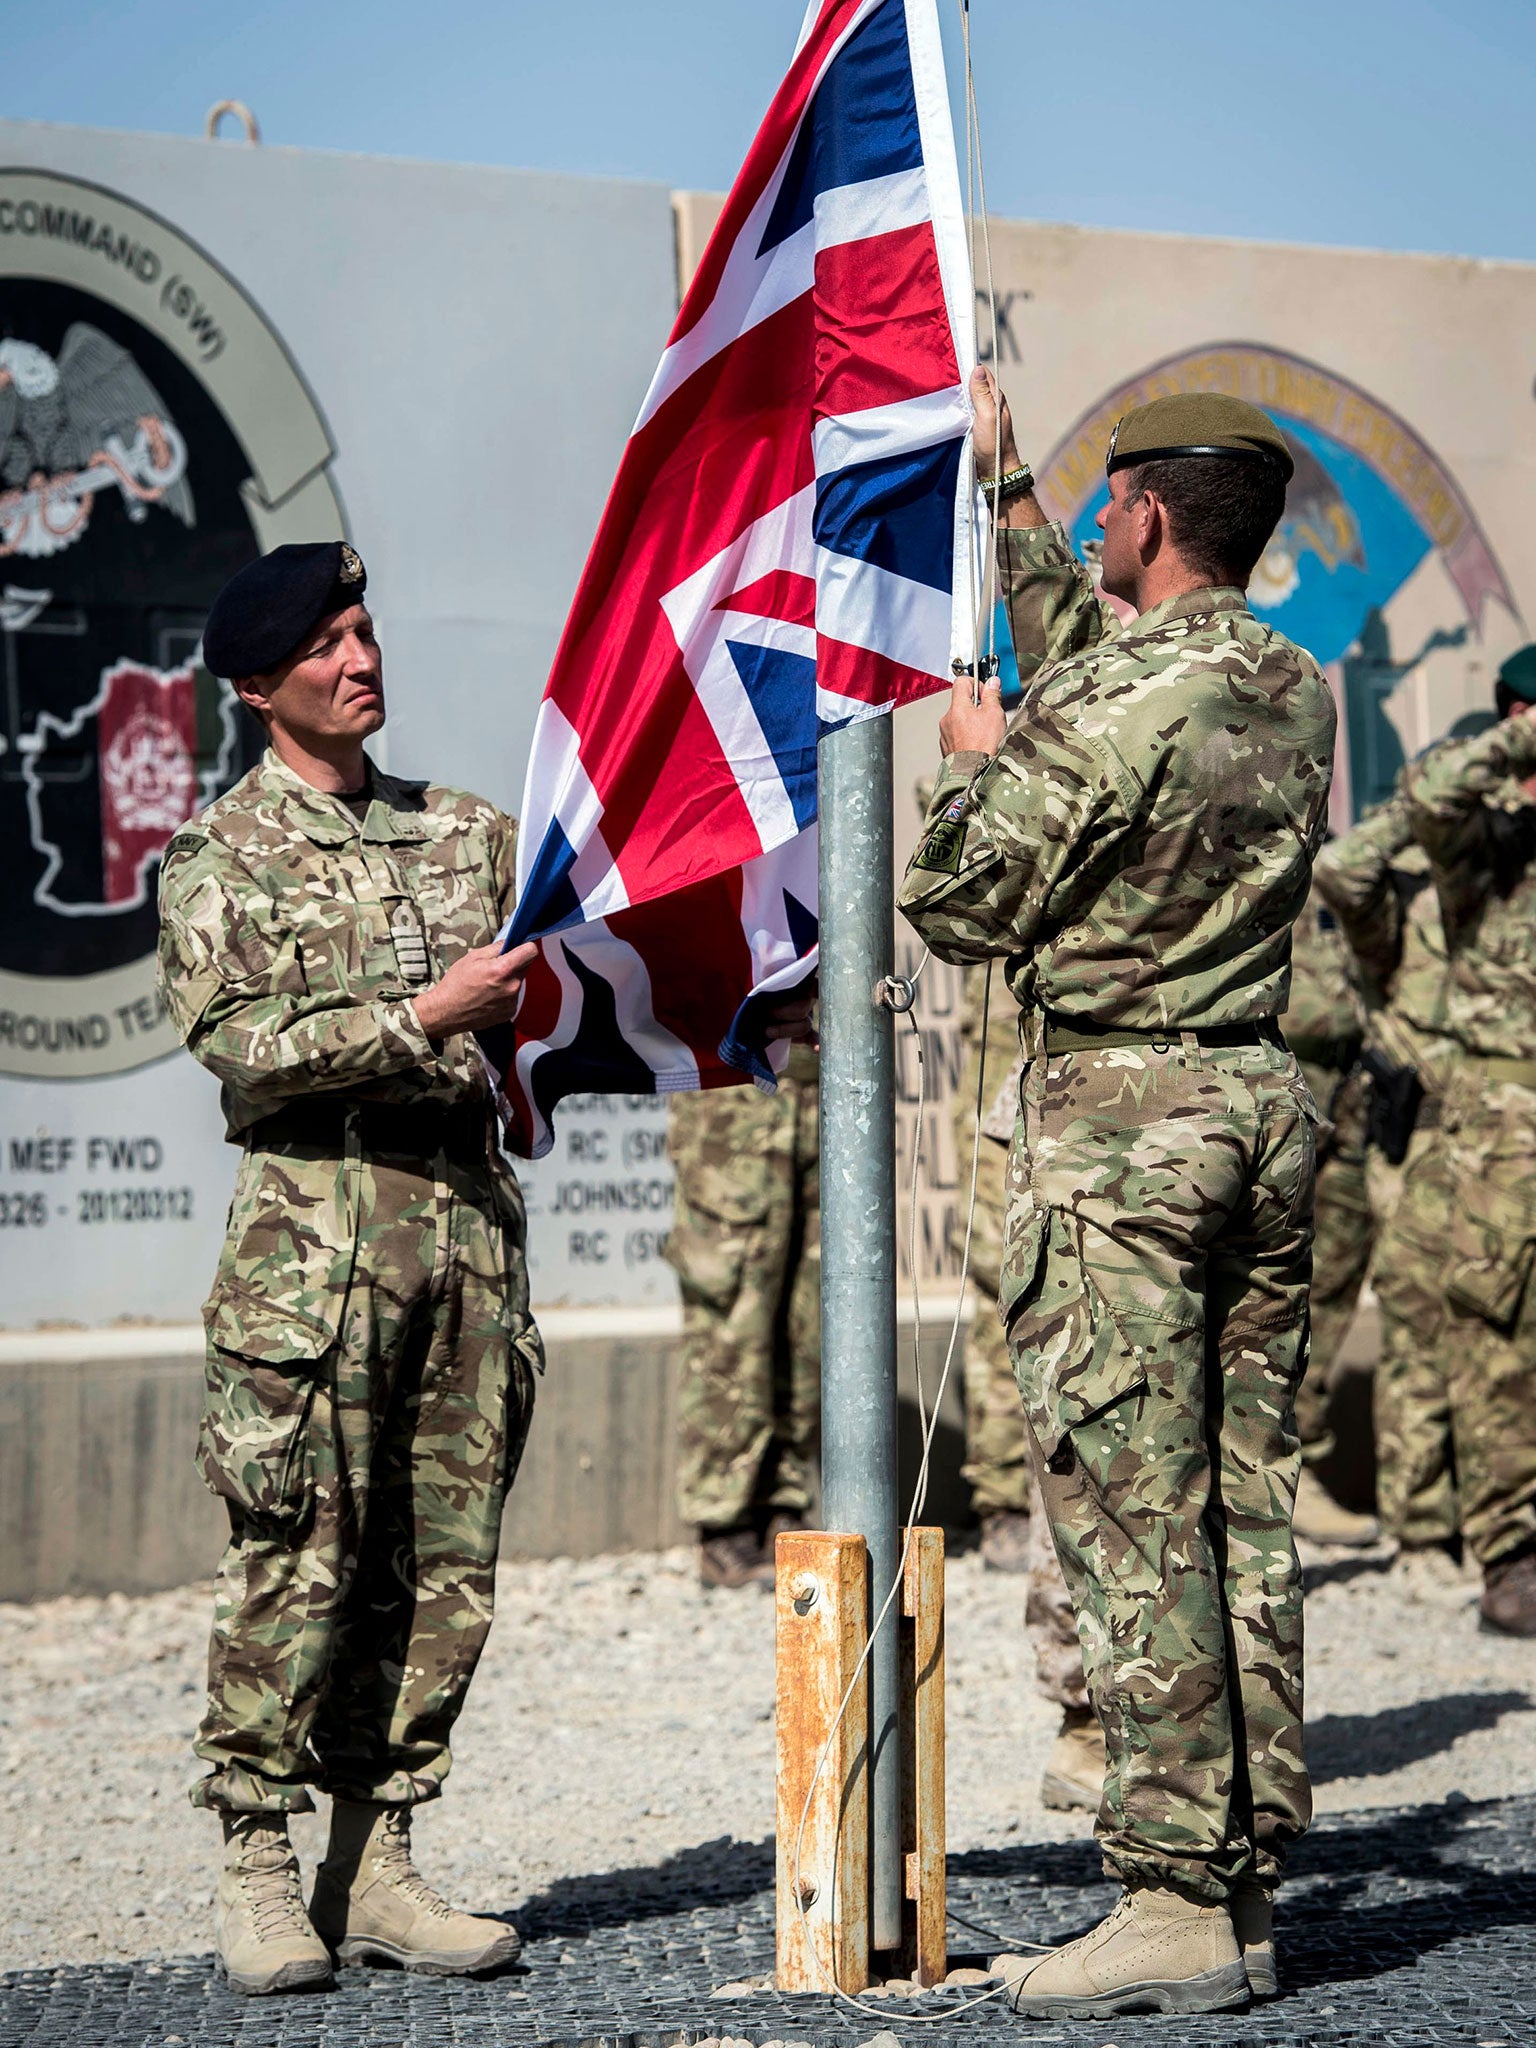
{"points": [[1405, 125]]}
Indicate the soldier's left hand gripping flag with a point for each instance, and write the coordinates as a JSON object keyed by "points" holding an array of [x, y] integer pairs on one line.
{"points": [[787, 546]]}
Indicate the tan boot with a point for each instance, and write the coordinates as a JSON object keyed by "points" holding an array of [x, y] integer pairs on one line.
{"points": [[1157, 1952], [1320, 1519], [1508, 1605], [261, 1931], [1005, 1540], [1253, 1923], [734, 1557], [371, 1904], [1074, 1774]]}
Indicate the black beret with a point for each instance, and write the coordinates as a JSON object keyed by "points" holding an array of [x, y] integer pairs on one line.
{"points": [[1197, 423], [270, 605], [1518, 674]]}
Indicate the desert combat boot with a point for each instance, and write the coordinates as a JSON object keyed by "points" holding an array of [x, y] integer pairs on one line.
{"points": [[262, 1933], [1253, 1922], [372, 1905], [1159, 1951]]}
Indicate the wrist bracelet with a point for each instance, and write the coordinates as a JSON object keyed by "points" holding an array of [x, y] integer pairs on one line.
{"points": [[1013, 483]]}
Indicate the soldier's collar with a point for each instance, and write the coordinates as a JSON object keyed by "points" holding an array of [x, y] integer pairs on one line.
{"points": [[395, 815], [1214, 598]]}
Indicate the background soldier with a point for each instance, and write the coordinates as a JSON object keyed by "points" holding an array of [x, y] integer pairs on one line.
{"points": [[1377, 881], [746, 1244], [1324, 1022], [1137, 846], [1473, 808], [1015, 1531], [326, 950]]}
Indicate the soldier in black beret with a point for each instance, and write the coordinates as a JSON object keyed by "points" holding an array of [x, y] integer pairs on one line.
{"points": [[328, 950]]}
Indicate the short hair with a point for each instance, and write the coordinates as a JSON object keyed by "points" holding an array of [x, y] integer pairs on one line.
{"points": [[1221, 511]]}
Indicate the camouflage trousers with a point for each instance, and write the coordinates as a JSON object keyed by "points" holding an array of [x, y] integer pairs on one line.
{"points": [[1467, 1372], [1410, 1399], [370, 1386], [997, 1461], [996, 1455], [746, 1246], [1344, 1233], [1155, 1285]]}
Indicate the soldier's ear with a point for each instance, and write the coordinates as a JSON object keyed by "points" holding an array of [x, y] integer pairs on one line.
{"points": [[253, 692]]}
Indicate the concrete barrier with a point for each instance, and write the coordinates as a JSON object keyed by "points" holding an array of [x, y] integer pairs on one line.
{"points": [[98, 1493]]}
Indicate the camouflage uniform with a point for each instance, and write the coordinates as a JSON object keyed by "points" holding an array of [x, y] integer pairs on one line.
{"points": [[996, 1444], [746, 1244], [1378, 884], [370, 1350], [1479, 830], [1137, 851], [1324, 1022]]}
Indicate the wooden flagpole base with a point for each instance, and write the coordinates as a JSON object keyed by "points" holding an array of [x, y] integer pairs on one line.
{"points": [[821, 1626], [822, 1613]]}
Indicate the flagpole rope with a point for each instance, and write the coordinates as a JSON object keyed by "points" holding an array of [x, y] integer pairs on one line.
{"points": [[989, 581]]}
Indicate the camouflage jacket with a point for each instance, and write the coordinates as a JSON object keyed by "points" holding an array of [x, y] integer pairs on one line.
{"points": [[1140, 846], [1377, 882], [293, 934], [1479, 829]]}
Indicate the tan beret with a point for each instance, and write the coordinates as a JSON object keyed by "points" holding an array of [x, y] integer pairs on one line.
{"points": [[1197, 423]]}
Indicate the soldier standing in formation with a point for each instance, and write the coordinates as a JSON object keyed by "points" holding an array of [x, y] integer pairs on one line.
{"points": [[1015, 1533], [1377, 880], [1324, 1025], [1472, 807], [746, 1245], [326, 950], [1136, 847]]}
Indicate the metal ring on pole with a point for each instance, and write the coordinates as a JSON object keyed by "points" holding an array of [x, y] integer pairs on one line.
{"points": [[896, 993], [242, 114]]}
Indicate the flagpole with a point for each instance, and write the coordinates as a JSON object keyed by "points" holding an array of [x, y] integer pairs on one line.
{"points": [[858, 1236]]}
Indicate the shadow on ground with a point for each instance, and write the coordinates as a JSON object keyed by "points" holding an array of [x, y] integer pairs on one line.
{"points": [[1370, 1745], [1407, 1926]]}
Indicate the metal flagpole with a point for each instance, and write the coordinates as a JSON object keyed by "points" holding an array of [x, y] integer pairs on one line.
{"points": [[858, 1236]]}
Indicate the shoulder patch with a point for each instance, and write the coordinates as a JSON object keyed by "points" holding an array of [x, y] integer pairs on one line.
{"points": [[940, 851]]}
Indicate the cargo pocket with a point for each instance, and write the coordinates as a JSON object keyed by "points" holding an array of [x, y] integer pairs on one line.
{"points": [[1072, 1355], [718, 1214], [1492, 1246], [263, 1369]]}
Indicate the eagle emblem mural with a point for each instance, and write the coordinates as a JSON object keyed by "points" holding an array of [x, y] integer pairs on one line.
{"points": [[74, 426]]}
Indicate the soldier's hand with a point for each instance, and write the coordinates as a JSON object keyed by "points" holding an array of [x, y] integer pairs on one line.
{"points": [[970, 728], [478, 991], [992, 418], [794, 1017]]}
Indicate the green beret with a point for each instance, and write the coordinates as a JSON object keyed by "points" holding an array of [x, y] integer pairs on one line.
{"points": [[1518, 674], [1197, 423]]}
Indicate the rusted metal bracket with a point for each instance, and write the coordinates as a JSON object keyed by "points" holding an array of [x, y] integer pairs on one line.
{"points": [[822, 1621]]}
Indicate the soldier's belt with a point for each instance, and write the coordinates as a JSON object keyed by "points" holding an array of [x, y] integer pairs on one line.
{"points": [[1056, 1036], [422, 1129]]}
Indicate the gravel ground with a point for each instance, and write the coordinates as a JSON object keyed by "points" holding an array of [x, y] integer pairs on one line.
{"points": [[622, 1715]]}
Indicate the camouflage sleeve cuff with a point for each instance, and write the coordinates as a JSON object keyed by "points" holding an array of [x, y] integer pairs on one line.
{"points": [[399, 1026], [1033, 548], [960, 768]]}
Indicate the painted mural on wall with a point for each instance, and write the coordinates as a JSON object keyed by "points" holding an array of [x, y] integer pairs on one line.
{"points": [[152, 431], [1379, 566]]}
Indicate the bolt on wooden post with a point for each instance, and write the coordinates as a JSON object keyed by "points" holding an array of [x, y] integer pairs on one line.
{"points": [[823, 1612]]}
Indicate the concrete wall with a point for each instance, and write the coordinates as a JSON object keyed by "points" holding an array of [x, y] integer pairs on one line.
{"points": [[98, 1493]]}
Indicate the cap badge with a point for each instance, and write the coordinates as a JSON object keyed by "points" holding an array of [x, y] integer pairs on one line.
{"points": [[351, 570]]}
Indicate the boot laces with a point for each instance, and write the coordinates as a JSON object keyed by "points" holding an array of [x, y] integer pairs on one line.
{"points": [[393, 1861], [268, 1878]]}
